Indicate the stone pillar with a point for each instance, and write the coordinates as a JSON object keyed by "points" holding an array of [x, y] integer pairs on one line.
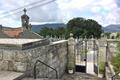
{"points": [[71, 55]]}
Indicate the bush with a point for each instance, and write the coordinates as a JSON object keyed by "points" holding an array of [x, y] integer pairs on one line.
{"points": [[101, 67], [116, 62]]}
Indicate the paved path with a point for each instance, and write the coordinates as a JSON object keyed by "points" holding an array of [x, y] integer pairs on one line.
{"points": [[80, 76], [8, 75], [76, 76]]}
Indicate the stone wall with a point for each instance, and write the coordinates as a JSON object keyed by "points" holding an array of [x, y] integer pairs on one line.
{"points": [[102, 50], [23, 60]]}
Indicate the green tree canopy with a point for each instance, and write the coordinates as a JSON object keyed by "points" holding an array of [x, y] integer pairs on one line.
{"points": [[84, 27], [80, 27], [51, 32]]}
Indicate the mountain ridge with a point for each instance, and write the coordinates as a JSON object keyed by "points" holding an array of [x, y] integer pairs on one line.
{"points": [[112, 28], [38, 27]]}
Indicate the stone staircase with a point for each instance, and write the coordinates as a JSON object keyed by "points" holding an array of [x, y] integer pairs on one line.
{"points": [[10, 75], [39, 79]]}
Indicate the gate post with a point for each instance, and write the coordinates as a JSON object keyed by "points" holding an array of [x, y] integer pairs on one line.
{"points": [[71, 55]]}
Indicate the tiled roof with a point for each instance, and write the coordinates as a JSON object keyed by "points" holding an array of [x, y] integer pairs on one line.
{"points": [[18, 33], [30, 35], [2, 35], [12, 32]]}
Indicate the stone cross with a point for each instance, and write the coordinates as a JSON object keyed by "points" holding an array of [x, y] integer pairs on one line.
{"points": [[25, 10]]}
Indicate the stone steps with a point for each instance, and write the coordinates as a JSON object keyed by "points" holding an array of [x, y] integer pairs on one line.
{"points": [[39, 79], [10, 75]]}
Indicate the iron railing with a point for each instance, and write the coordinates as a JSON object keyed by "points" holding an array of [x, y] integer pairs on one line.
{"points": [[113, 77], [35, 75]]}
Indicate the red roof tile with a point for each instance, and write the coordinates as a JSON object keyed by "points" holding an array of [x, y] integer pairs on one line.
{"points": [[12, 32]]}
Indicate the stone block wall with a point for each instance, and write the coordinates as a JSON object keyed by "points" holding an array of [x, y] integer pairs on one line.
{"points": [[53, 54]]}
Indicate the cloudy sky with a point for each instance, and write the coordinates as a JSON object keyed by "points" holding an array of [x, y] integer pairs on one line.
{"points": [[104, 11]]}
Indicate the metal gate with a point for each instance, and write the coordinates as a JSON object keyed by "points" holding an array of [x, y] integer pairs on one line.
{"points": [[81, 55], [86, 54], [96, 56]]}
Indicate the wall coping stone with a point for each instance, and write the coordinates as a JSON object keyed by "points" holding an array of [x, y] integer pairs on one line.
{"points": [[58, 42], [21, 44]]}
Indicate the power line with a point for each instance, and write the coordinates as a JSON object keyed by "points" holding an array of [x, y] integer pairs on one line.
{"points": [[6, 12], [43, 4]]}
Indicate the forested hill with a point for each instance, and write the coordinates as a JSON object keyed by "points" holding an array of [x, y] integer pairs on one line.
{"points": [[112, 28], [37, 28]]}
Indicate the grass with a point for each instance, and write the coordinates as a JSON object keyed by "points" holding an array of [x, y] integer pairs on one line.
{"points": [[101, 67], [116, 62]]}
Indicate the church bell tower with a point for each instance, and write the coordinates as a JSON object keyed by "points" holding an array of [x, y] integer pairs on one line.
{"points": [[25, 21]]}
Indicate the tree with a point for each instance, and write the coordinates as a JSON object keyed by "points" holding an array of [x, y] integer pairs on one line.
{"points": [[80, 27], [45, 31], [57, 32], [84, 27]]}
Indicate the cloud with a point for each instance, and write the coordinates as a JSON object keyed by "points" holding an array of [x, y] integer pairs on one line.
{"points": [[48, 13], [9, 22], [103, 11], [45, 13]]}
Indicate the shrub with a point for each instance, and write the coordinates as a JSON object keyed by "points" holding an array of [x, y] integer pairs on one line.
{"points": [[116, 62], [101, 67]]}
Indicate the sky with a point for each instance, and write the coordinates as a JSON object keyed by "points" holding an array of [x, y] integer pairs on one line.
{"points": [[106, 12]]}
